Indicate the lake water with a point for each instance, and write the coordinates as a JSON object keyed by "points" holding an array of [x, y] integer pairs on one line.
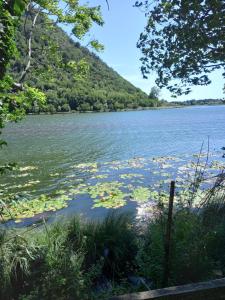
{"points": [[52, 144]]}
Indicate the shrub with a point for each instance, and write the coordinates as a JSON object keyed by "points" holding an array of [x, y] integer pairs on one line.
{"points": [[190, 261], [65, 108]]}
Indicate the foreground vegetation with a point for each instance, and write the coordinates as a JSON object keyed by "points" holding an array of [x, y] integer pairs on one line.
{"points": [[77, 259]]}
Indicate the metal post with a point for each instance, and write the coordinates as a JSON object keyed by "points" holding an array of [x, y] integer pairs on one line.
{"points": [[168, 235]]}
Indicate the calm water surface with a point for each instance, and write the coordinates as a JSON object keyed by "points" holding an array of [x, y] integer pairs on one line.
{"points": [[56, 142]]}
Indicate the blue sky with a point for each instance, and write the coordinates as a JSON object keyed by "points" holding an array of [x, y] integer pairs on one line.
{"points": [[123, 24]]}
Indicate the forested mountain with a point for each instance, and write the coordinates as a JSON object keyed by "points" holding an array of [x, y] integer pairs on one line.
{"points": [[103, 89]]}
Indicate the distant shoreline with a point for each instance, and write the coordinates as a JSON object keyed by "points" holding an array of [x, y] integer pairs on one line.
{"points": [[105, 111], [123, 110]]}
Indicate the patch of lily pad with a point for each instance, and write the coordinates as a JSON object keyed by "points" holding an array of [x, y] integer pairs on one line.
{"points": [[104, 194], [29, 183], [28, 208], [86, 167], [28, 168], [101, 184], [114, 200], [54, 174], [100, 176], [141, 194], [107, 195], [131, 176], [19, 175]]}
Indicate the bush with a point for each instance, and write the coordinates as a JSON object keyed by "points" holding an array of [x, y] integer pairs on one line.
{"points": [[84, 107], [190, 261], [150, 257], [50, 108], [65, 108]]}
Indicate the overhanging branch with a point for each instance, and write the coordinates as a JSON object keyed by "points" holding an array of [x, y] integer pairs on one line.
{"points": [[27, 67]]}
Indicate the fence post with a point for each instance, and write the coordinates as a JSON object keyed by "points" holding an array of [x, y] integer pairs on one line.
{"points": [[168, 235]]}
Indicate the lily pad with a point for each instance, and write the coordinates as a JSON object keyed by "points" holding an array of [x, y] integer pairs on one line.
{"points": [[141, 194], [130, 176], [28, 208], [28, 168], [100, 176]]}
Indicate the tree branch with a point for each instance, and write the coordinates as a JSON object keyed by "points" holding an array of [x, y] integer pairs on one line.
{"points": [[216, 65], [107, 2], [26, 17], [27, 67]]}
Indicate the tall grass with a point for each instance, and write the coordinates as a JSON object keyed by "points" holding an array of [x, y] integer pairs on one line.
{"points": [[78, 259], [67, 260]]}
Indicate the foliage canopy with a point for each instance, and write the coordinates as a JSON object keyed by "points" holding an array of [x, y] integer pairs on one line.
{"points": [[183, 40]]}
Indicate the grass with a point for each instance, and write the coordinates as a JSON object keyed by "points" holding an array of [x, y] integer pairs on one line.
{"points": [[78, 259], [66, 259]]}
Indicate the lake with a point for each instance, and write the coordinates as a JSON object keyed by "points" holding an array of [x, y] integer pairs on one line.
{"points": [[57, 151]]}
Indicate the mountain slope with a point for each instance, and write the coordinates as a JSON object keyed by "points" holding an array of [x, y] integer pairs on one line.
{"points": [[103, 89]]}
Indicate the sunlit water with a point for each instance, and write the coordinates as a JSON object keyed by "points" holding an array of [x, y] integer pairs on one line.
{"points": [[55, 143]]}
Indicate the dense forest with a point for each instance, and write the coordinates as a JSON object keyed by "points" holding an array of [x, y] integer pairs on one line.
{"points": [[102, 89]]}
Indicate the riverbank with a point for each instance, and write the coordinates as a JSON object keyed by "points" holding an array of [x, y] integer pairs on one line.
{"points": [[125, 110], [95, 260], [121, 110]]}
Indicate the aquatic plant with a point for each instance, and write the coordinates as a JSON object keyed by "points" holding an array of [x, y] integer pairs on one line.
{"points": [[78, 190], [217, 165], [112, 200], [26, 208], [141, 194], [28, 168], [107, 194], [165, 159], [86, 167], [54, 174], [100, 176], [90, 179], [131, 176], [20, 175], [101, 188]]}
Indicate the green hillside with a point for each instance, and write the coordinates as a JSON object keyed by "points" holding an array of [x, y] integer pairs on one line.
{"points": [[103, 89]]}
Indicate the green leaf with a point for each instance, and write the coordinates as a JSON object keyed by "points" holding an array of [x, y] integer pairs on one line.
{"points": [[19, 7]]}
